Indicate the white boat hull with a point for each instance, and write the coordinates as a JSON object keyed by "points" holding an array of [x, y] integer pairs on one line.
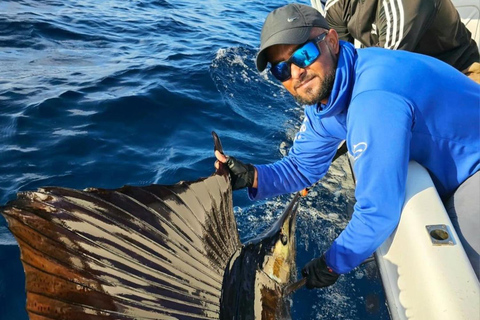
{"points": [[425, 277]]}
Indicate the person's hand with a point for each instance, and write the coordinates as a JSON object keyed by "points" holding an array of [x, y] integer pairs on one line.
{"points": [[473, 72], [318, 274], [243, 175]]}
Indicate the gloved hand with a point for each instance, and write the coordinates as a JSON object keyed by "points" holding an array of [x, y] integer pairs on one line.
{"points": [[242, 174], [318, 274]]}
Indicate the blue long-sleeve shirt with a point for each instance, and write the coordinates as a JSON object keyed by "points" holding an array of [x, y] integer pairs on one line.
{"points": [[390, 107]]}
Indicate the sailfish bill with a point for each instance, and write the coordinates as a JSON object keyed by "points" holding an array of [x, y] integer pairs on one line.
{"points": [[152, 252]]}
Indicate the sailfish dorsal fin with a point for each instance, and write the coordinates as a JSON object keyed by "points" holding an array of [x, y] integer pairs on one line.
{"points": [[153, 252]]}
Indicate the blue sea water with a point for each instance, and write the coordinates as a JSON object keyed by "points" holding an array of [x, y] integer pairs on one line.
{"points": [[114, 92]]}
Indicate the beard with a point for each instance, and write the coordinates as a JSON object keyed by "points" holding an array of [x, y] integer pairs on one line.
{"points": [[323, 92]]}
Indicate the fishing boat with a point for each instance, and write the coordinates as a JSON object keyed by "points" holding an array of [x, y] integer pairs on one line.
{"points": [[424, 269]]}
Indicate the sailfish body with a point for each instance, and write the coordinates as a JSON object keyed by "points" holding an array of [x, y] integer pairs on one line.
{"points": [[254, 280], [153, 252]]}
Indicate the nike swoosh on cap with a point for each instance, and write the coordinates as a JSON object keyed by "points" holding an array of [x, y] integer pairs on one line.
{"points": [[292, 19]]}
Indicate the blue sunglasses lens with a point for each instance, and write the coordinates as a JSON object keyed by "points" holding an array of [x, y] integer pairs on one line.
{"points": [[281, 71], [306, 55], [302, 57]]}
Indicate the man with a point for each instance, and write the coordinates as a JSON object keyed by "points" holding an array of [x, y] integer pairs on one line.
{"points": [[390, 106], [431, 27]]}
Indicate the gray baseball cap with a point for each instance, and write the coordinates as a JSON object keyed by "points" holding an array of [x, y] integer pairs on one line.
{"points": [[290, 24]]}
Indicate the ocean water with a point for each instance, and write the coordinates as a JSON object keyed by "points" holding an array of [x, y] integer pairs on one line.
{"points": [[114, 92]]}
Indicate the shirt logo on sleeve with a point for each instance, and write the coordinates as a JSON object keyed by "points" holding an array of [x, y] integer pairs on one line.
{"points": [[303, 128], [359, 149]]}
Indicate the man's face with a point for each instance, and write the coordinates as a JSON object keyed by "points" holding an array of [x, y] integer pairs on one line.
{"points": [[314, 83]]}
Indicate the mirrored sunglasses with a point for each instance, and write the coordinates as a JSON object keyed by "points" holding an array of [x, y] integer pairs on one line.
{"points": [[302, 57]]}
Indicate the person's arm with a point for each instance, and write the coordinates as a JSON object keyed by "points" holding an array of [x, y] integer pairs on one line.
{"points": [[402, 23], [337, 17], [307, 162], [379, 132]]}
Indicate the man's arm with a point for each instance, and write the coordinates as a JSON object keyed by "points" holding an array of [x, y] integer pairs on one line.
{"points": [[379, 133], [402, 23], [337, 17], [307, 162]]}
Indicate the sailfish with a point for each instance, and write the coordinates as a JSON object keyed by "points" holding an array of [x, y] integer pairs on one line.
{"points": [[150, 252]]}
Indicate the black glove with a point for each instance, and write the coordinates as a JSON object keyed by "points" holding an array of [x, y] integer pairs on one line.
{"points": [[242, 174], [318, 274]]}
